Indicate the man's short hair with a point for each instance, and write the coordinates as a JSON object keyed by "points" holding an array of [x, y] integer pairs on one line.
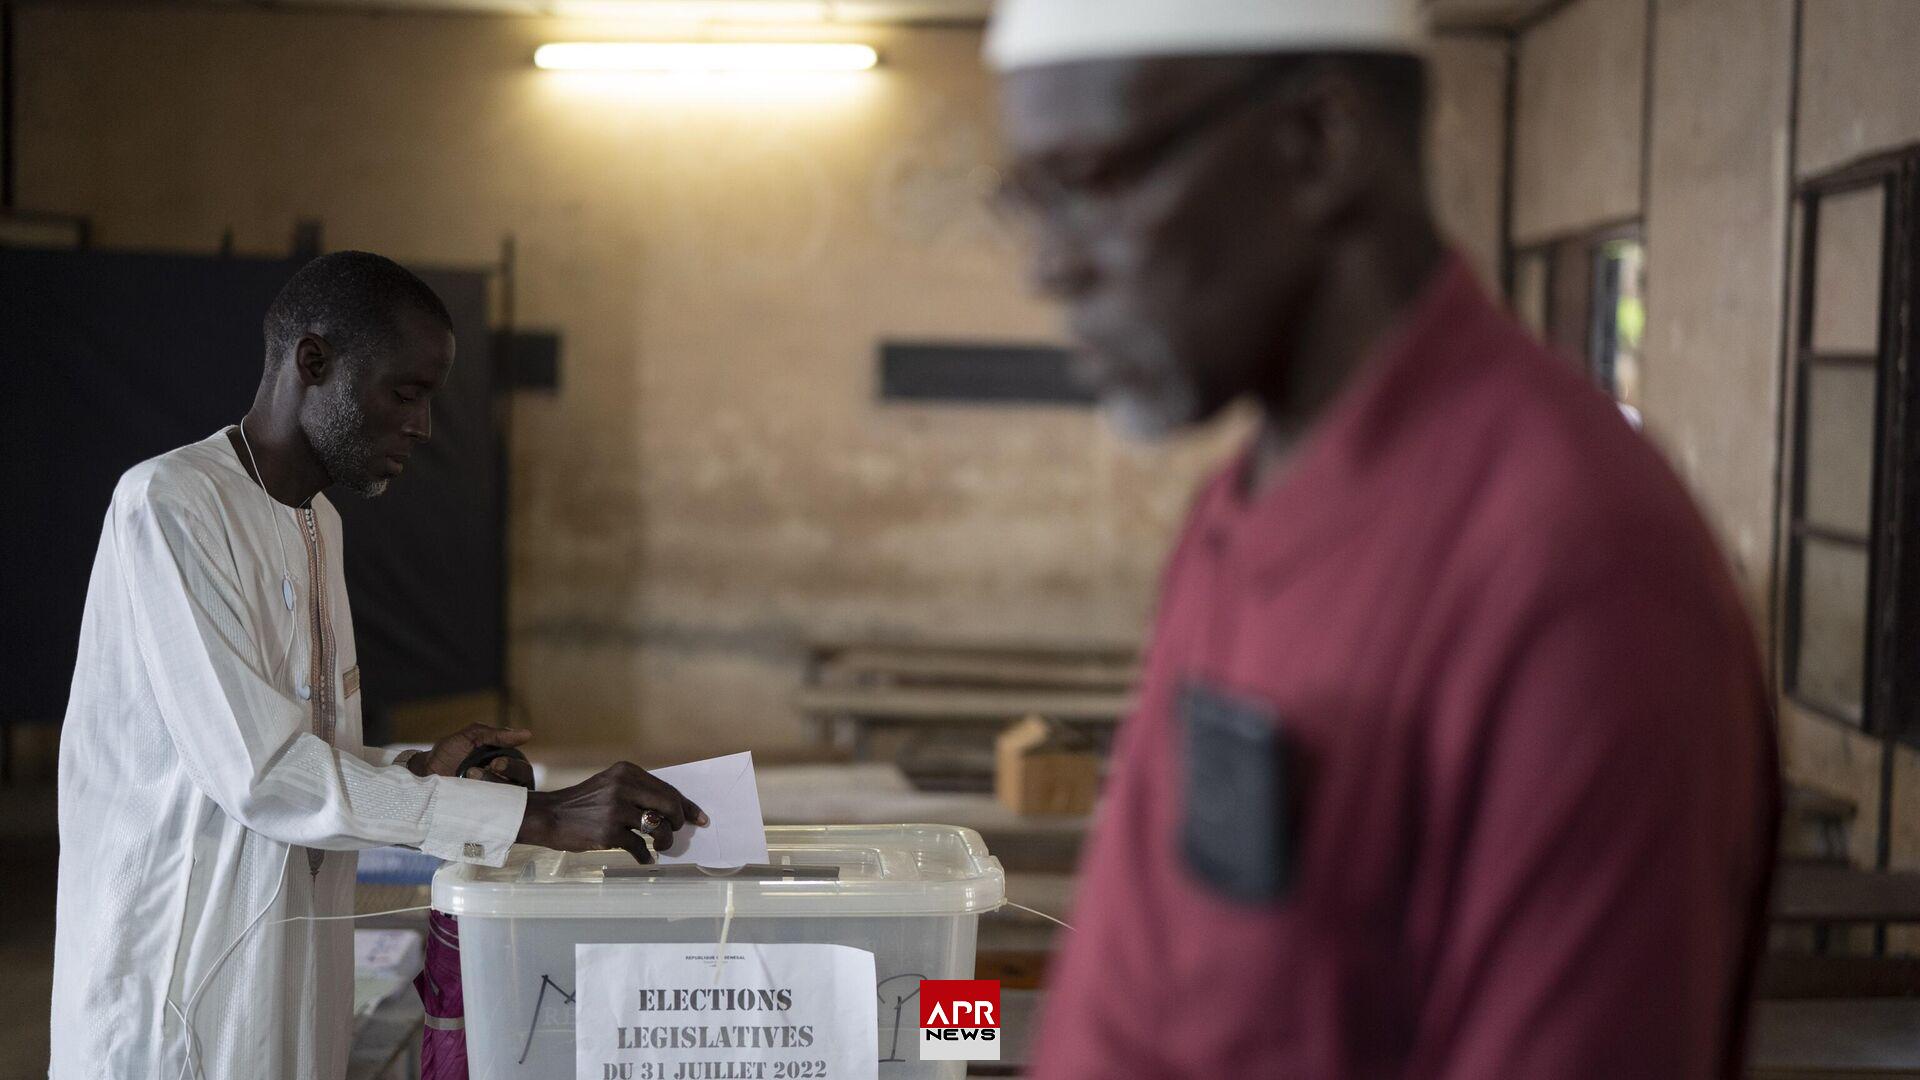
{"points": [[351, 298]]}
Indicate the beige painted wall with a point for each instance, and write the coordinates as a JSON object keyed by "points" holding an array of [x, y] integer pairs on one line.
{"points": [[1579, 118], [1857, 94], [714, 481], [1716, 235], [1467, 145]]}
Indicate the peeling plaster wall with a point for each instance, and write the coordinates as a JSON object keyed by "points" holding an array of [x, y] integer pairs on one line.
{"points": [[714, 482], [1579, 115], [1716, 236], [1856, 81], [1467, 145]]}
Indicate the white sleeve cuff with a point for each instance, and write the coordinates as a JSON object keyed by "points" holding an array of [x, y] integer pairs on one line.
{"points": [[473, 821]]}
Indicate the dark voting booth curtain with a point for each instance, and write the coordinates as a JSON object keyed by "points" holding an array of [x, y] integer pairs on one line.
{"points": [[108, 359]]}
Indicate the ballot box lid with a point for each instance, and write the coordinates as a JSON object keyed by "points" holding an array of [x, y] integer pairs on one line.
{"points": [[813, 870]]}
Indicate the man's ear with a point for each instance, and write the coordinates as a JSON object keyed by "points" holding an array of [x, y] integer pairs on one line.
{"points": [[1322, 145], [313, 359]]}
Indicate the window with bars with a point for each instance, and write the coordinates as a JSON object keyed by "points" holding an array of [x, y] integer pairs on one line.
{"points": [[1849, 618], [1584, 295]]}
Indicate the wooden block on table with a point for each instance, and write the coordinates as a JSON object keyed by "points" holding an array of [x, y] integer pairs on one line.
{"points": [[1038, 769]]}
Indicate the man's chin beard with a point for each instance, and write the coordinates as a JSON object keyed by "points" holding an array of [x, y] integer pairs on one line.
{"points": [[1150, 419], [1144, 392], [370, 487]]}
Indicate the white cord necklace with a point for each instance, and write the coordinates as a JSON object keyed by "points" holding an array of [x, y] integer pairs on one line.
{"points": [[286, 568]]}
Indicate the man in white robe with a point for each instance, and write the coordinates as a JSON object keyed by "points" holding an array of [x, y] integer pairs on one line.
{"points": [[213, 784]]}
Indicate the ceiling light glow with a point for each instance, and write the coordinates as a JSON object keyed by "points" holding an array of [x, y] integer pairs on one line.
{"points": [[706, 56]]}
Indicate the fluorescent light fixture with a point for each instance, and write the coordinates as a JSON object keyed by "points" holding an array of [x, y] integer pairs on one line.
{"points": [[695, 11], [705, 56]]}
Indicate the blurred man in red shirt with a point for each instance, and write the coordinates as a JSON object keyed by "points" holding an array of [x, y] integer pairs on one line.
{"points": [[1453, 755]]}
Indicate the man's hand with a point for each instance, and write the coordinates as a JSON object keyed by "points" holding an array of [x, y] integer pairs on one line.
{"points": [[609, 810], [448, 753]]}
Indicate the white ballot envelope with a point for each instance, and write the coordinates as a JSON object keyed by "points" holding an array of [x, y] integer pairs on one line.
{"points": [[724, 787]]}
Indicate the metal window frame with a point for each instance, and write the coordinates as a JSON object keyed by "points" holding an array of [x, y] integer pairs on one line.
{"points": [[1888, 693], [1588, 244], [1603, 325]]}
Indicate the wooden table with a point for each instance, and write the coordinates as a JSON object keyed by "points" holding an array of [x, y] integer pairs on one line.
{"points": [[1110, 651], [850, 713], [1827, 1040], [949, 695], [902, 666]]}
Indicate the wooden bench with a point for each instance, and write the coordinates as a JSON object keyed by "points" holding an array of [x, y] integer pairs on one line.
{"points": [[849, 715], [949, 697], [995, 662], [908, 705], [964, 682], [1796, 976], [899, 666], [1828, 1040], [1834, 893]]}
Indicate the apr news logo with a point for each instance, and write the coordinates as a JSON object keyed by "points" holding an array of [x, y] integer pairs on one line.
{"points": [[960, 1020]]}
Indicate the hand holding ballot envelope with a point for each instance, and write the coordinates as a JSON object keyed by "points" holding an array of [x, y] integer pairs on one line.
{"points": [[737, 835], [610, 809], [617, 806]]}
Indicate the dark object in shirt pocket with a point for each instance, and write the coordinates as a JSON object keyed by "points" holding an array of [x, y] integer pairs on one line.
{"points": [[1237, 829]]}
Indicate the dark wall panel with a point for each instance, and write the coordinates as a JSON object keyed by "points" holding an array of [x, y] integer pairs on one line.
{"points": [[979, 374], [107, 359]]}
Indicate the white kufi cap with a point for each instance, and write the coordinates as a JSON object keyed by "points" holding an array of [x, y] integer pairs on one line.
{"points": [[1031, 33]]}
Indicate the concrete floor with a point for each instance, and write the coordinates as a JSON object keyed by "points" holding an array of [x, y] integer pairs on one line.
{"points": [[29, 849]]}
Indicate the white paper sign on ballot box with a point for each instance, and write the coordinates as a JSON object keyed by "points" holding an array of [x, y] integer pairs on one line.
{"points": [[770, 1012]]}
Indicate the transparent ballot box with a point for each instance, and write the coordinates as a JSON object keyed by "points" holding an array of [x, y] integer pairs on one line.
{"points": [[911, 895]]}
